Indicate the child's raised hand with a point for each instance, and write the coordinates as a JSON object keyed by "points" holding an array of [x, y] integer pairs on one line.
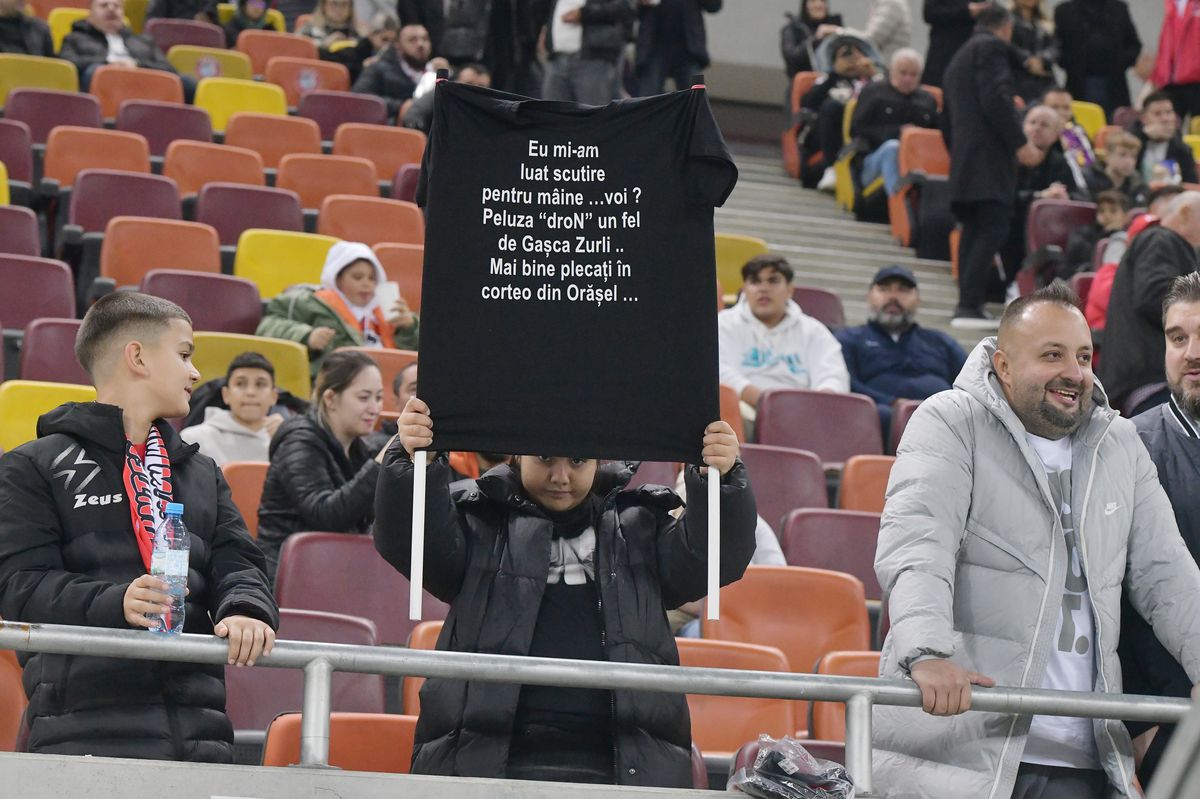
{"points": [[145, 596], [720, 446], [415, 426], [248, 638]]}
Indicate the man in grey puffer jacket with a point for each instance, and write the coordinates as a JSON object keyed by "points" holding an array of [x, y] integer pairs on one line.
{"points": [[1019, 509]]}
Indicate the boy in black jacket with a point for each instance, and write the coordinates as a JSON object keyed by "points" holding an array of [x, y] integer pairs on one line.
{"points": [[78, 507]]}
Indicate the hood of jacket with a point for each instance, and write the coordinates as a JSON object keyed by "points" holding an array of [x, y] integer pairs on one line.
{"points": [[222, 420], [102, 425]]}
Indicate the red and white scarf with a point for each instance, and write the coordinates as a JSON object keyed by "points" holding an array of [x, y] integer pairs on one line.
{"points": [[148, 488]]}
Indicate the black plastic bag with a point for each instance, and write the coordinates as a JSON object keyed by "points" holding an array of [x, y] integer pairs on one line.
{"points": [[784, 769]]}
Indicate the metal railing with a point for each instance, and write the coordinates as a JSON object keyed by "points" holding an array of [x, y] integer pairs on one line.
{"points": [[320, 661]]}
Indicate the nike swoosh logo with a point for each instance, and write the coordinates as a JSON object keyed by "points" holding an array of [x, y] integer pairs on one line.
{"points": [[1111, 508]]}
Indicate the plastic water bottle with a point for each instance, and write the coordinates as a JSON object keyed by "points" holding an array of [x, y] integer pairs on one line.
{"points": [[172, 544]]}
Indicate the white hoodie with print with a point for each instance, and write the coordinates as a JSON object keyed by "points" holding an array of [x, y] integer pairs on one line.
{"points": [[799, 352]]}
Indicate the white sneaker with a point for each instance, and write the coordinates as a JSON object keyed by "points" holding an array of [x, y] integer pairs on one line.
{"points": [[828, 180]]}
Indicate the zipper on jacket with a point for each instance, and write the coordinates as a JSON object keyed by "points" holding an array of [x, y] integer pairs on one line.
{"points": [[612, 697]]}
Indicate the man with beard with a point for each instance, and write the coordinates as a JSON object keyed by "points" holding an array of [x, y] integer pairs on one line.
{"points": [[1021, 508], [891, 357], [398, 69], [1171, 433]]}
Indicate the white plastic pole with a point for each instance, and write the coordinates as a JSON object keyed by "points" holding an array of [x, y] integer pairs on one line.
{"points": [[714, 544], [416, 577]]}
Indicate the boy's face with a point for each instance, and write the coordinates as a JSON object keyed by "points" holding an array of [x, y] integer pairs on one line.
{"points": [[768, 293], [255, 9], [168, 364], [1121, 161], [1110, 217], [250, 395], [1159, 120], [557, 484]]}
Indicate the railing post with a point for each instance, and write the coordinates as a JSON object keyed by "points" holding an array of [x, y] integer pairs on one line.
{"points": [[858, 743], [314, 720]]}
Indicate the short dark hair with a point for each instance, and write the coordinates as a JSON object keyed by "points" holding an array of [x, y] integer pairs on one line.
{"points": [[250, 360], [128, 313], [1158, 96], [1113, 197], [993, 18], [337, 372], [1054, 89], [1183, 289], [399, 378], [1057, 293], [768, 261], [475, 66]]}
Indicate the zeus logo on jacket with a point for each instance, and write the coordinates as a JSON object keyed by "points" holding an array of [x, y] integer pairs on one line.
{"points": [[102, 499]]}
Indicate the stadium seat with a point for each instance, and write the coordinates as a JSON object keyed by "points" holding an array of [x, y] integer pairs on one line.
{"points": [[731, 411], [233, 208], [192, 164], [276, 259], [217, 303], [386, 147], [331, 109], [838, 540], [246, 480], [1051, 222], [390, 363], [23, 401], [403, 263], [784, 479], [821, 304], [829, 718], [113, 85], [134, 245], [834, 426], [45, 109], [48, 352], [1192, 140], [659, 473], [273, 136], [733, 251], [214, 351], [375, 742], [61, 20], [315, 568], [16, 151], [1090, 117], [423, 636], [261, 46], [404, 184], [168, 33], [164, 122], [805, 612], [4, 196], [226, 11], [18, 230], [1081, 284], [35, 72], [224, 97], [923, 160], [371, 220], [299, 76], [12, 700], [255, 696], [720, 724], [47, 289], [1099, 141], [209, 62], [864, 482], [902, 411], [793, 158], [69, 150], [102, 194], [315, 177], [135, 13]]}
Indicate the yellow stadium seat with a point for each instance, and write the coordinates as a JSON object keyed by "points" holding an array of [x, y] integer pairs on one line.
{"points": [[35, 72], [209, 62], [60, 22], [224, 97], [135, 12], [214, 351], [732, 253], [276, 259], [843, 192], [1090, 117], [1193, 140], [1195, 126], [345, 44], [23, 401], [4, 198], [225, 12]]}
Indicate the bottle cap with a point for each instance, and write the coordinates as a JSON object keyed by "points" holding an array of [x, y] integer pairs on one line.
{"points": [[174, 508]]}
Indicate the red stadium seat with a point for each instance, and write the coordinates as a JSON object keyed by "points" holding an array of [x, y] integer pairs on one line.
{"points": [[838, 540], [167, 33], [821, 304], [47, 289], [162, 123], [44, 109], [233, 208], [101, 194], [834, 426], [16, 150], [902, 411], [784, 479], [1051, 221], [19, 231], [654, 473], [48, 352], [216, 303], [331, 109], [1081, 284]]}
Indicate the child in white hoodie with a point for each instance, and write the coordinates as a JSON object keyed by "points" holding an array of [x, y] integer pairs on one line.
{"points": [[242, 433]]}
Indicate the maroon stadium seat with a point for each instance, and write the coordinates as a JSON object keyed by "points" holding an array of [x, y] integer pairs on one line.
{"points": [[902, 411], [404, 185], [235, 207], [45, 109], [330, 109], [162, 123], [838, 540], [316, 568], [101, 194], [48, 352], [821, 304], [834, 426], [19, 231], [784, 479], [218, 303], [46, 290], [16, 150], [658, 473], [167, 33], [1051, 221]]}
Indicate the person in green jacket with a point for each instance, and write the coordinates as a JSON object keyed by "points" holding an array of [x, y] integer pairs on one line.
{"points": [[344, 311]]}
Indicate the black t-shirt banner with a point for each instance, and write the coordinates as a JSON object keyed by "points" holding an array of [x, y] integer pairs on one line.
{"points": [[569, 293]]}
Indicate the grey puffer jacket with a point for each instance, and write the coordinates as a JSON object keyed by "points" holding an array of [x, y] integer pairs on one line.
{"points": [[972, 560]]}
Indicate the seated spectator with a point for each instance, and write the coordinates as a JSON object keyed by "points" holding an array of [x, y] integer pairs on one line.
{"points": [[1112, 215], [344, 311], [852, 71], [1133, 337], [767, 342], [102, 38], [887, 107], [199, 10], [891, 357], [802, 34], [22, 34], [1165, 158], [243, 432], [322, 476], [1119, 170], [1036, 50], [331, 21], [403, 388], [420, 111], [1096, 309], [380, 35], [398, 68], [1076, 145], [251, 15]]}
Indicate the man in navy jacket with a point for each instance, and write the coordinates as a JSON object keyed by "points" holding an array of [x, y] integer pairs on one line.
{"points": [[891, 357]]}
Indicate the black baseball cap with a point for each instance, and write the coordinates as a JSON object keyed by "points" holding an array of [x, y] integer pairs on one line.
{"points": [[894, 271]]}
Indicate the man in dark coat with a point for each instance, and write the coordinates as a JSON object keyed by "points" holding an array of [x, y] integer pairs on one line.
{"points": [[394, 75], [951, 23], [102, 38], [983, 133], [1133, 336], [21, 33], [1171, 433], [671, 43], [1098, 42], [1164, 158]]}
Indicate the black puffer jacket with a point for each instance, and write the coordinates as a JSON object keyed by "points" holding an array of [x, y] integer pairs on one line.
{"points": [[86, 46], [387, 79], [67, 555], [312, 486], [488, 556]]}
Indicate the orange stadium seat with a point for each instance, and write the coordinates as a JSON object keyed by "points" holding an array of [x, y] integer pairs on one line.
{"points": [[299, 76], [423, 636], [261, 46], [403, 263], [246, 480], [922, 153], [390, 363], [821, 304], [47, 289], [135, 245], [48, 352], [838, 540], [70, 150], [191, 164], [834, 426], [216, 303], [829, 718], [315, 177], [792, 156], [45, 109], [386, 147], [162, 123], [784, 479], [371, 220], [12, 700], [113, 85], [375, 742], [330, 109], [272, 136], [864, 482], [731, 408]]}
